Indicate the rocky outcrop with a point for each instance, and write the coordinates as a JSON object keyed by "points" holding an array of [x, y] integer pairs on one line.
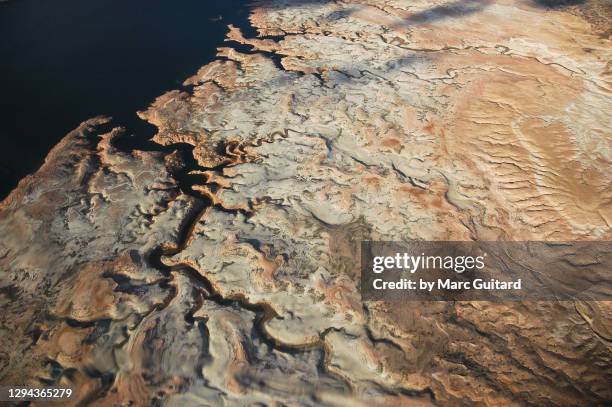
{"points": [[345, 121], [75, 236]]}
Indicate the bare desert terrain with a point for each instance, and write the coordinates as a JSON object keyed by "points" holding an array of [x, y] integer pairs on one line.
{"points": [[237, 283]]}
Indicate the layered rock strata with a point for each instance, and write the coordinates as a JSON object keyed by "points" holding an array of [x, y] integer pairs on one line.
{"points": [[345, 121]]}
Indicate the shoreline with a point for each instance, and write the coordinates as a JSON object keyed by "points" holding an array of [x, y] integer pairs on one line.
{"points": [[227, 275]]}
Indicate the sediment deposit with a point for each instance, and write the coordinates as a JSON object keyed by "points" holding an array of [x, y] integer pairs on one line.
{"points": [[345, 121]]}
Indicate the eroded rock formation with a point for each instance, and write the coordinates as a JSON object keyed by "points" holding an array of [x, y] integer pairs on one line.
{"points": [[372, 119]]}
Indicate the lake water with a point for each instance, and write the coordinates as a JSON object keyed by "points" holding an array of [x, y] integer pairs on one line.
{"points": [[64, 61]]}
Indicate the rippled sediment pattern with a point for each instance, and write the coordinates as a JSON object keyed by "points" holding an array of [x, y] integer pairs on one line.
{"points": [[385, 120]]}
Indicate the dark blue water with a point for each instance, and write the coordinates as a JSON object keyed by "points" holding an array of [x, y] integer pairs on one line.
{"points": [[63, 61]]}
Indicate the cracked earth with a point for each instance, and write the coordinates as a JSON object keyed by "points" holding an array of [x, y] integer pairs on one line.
{"points": [[341, 121]]}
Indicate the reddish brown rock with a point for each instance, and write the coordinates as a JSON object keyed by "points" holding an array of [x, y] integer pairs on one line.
{"points": [[358, 120]]}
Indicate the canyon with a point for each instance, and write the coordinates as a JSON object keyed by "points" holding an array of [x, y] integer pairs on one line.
{"points": [[225, 272]]}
